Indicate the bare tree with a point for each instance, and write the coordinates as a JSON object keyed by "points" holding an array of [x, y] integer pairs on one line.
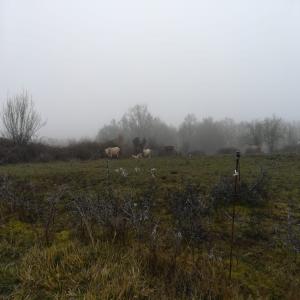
{"points": [[186, 132], [256, 133], [137, 121], [109, 132], [292, 134], [274, 131], [209, 136], [20, 120]]}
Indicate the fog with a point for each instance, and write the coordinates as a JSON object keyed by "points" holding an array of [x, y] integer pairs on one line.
{"points": [[87, 62]]}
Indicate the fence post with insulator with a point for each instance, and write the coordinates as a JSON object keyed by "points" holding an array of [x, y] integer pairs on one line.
{"points": [[237, 179]]}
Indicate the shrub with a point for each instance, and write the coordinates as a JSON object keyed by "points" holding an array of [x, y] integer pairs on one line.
{"points": [[84, 150], [38, 152], [189, 209], [291, 149], [253, 150], [114, 214], [227, 150], [254, 193]]}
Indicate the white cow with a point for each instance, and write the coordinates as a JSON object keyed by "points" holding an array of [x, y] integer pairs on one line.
{"points": [[147, 153], [112, 152], [138, 156]]}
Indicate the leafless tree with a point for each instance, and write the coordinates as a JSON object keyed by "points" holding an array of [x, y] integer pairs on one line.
{"points": [[109, 132], [198, 136], [256, 132], [274, 131], [138, 121], [21, 122], [186, 132]]}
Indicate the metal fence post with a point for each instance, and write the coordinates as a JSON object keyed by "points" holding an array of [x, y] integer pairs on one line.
{"points": [[237, 179]]}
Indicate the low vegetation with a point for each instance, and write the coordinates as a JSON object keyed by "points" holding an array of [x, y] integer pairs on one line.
{"points": [[150, 229]]}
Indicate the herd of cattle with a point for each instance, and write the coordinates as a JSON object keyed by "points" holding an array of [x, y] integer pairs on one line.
{"points": [[114, 152]]}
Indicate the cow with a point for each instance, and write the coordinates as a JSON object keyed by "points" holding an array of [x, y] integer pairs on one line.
{"points": [[112, 152], [138, 156], [147, 153]]}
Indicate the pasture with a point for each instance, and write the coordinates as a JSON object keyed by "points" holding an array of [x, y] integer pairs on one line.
{"points": [[151, 243]]}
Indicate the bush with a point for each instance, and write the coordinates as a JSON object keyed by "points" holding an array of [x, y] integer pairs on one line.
{"points": [[254, 193], [189, 209], [227, 150], [291, 149], [38, 152], [196, 153], [116, 215], [84, 150], [32, 152], [253, 150]]}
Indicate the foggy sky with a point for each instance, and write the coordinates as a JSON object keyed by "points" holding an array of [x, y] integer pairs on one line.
{"points": [[86, 62]]}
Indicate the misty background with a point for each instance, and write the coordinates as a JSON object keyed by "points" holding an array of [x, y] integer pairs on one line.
{"points": [[87, 62]]}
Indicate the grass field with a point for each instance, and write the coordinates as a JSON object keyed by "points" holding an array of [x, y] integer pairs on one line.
{"points": [[48, 251]]}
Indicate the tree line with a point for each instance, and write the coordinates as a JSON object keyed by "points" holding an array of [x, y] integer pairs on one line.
{"points": [[202, 136], [21, 124]]}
